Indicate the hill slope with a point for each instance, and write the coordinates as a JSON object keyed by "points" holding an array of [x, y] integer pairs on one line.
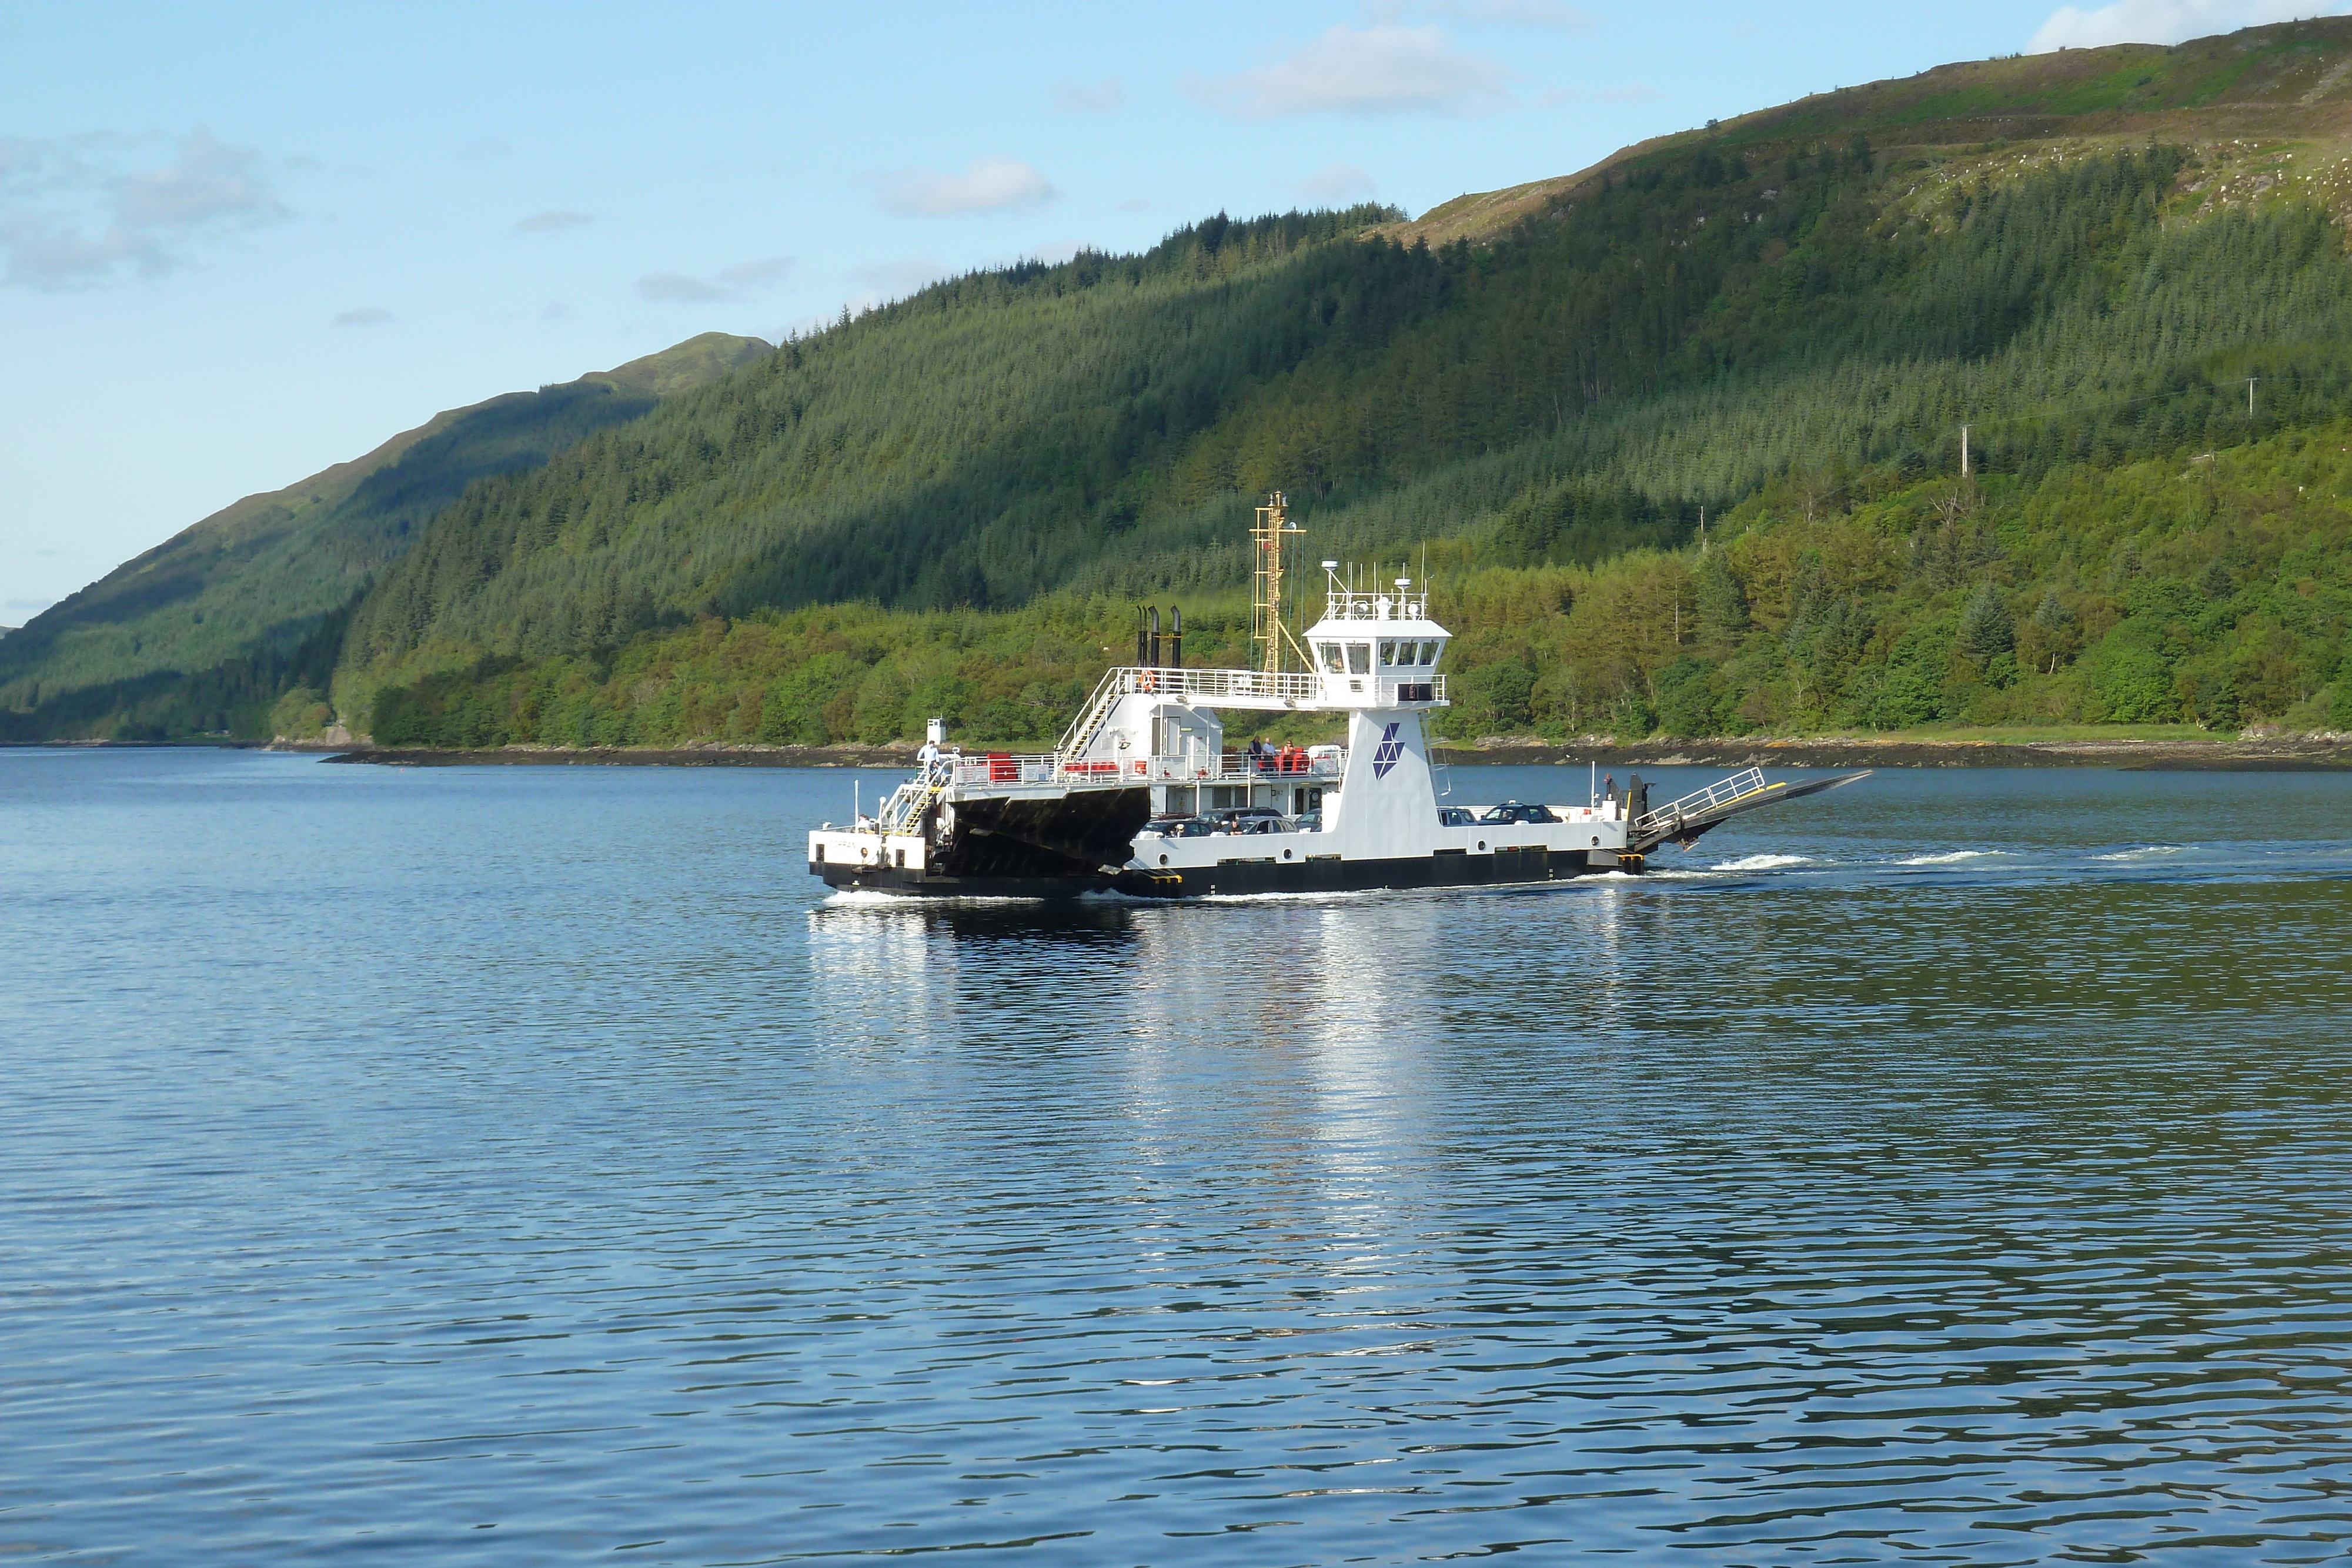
{"points": [[204, 632], [2120, 269], [2278, 99], [1781, 307]]}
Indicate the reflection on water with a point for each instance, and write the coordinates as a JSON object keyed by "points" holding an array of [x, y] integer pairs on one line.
{"points": [[508, 1165]]}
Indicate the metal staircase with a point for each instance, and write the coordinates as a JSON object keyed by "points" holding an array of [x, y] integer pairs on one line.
{"points": [[1089, 724], [903, 811]]}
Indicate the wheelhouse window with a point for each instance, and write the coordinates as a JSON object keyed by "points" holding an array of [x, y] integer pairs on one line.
{"points": [[1429, 652], [1331, 652], [1389, 654], [1359, 658]]}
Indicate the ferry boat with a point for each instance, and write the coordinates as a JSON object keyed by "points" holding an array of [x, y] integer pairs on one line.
{"points": [[1143, 798]]}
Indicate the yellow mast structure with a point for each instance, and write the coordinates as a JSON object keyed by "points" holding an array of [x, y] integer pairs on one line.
{"points": [[1267, 625]]}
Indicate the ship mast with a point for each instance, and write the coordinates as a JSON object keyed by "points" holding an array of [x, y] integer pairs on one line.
{"points": [[1267, 625]]}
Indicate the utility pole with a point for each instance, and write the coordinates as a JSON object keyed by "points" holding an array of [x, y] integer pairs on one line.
{"points": [[2250, 395], [1702, 530], [1964, 452]]}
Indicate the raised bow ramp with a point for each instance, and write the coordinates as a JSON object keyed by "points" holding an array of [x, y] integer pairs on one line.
{"points": [[1682, 821]]}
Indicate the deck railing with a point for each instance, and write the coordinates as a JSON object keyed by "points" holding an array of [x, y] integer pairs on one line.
{"points": [[1707, 799], [1361, 604], [1387, 689], [1048, 768], [1210, 684]]}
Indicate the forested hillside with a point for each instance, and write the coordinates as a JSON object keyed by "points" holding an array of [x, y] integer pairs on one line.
{"points": [[205, 631], [2122, 270]]}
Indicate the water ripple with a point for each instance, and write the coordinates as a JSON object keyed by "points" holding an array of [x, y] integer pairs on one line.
{"points": [[502, 1166]]}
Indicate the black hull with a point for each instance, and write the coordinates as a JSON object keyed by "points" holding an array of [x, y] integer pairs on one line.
{"points": [[890, 878], [1508, 868]]}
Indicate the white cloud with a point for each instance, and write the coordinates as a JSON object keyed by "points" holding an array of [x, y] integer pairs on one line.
{"points": [[1083, 98], [554, 223], [1503, 13], [749, 276], [207, 183], [988, 185], [370, 316], [887, 280], [738, 282], [1337, 182], [1375, 70], [73, 214], [678, 288], [2163, 21]]}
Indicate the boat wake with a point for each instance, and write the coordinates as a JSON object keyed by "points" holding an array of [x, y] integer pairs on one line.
{"points": [[871, 898], [2146, 851], [1950, 857], [1762, 862]]}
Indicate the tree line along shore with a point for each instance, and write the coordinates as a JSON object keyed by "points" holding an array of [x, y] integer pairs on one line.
{"points": [[1842, 419], [2272, 752]]}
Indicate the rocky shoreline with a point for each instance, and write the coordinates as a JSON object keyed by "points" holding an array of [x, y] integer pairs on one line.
{"points": [[2220, 754], [620, 755]]}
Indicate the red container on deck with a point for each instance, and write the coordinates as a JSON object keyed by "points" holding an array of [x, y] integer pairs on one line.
{"points": [[1002, 769]]}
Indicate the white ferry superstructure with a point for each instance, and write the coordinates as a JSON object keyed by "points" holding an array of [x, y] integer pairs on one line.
{"points": [[1142, 796]]}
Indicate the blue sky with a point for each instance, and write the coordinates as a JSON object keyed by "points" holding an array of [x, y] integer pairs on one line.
{"points": [[240, 243]]}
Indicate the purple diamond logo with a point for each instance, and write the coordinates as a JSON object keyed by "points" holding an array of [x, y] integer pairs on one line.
{"points": [[1388, 753]]}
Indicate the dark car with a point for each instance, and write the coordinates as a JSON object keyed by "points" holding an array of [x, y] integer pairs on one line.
{"points": [[1515, 811], [1183, 828], [1456, 816]]}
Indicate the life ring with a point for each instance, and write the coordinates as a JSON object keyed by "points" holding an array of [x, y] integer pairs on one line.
{"points": [[1140, 769]]}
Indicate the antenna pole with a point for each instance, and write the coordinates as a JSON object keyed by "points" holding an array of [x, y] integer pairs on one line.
{"points": [[1265, 612], [1964, 452], [2250, 395]]}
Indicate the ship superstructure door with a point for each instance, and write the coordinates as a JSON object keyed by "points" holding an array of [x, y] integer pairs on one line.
{"points": [[1185, 741]]}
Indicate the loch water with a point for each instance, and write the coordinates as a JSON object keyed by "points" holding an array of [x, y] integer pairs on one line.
{"points": [[520, 1165]]}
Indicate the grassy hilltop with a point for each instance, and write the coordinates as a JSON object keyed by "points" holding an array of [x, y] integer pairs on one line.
{"points": [[1777, 324], [207, 630]]}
